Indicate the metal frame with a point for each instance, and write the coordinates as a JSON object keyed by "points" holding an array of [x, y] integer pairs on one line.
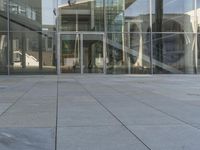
{"points": [[151, 37], [8, 36], [104, 36], [81, 43], [196, 37]]}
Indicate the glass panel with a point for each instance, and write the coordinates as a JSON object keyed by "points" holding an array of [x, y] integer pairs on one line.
{"points": [[173, 15], [3, 15], [30, 54], [93, 60], [128, 53], [70, 53], [173, 53], [115, 15], [198, 43], [137, 18], [124, 16], [32, 15], [81, 15], [3, 53], [198, 15]]}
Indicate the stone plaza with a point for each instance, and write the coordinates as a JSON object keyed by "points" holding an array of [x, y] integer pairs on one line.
{"points": [[100, 112]]}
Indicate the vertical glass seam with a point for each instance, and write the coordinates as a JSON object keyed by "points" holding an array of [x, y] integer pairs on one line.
{"points": [[151, 37], [196, 37], [8, 36], [58, 39]]}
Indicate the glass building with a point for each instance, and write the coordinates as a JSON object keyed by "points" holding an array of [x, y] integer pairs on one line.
{"points": [[99, 36]]}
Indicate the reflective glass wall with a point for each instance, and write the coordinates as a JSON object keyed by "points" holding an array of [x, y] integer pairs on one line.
{"points": [[128, 36], [198, 35], [3, 38], [81, 15], [174, 33], [141, 36], [30, 47]]}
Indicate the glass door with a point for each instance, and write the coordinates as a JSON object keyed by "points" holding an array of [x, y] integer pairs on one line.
{"points": [[82, 53], [70, 53], [93, 53]]}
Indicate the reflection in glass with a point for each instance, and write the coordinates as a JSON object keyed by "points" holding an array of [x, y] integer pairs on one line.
{"points": [[92, 15], [198, 15], [136, 14], [128, 53], [70, 53], [173, 15], [126, 24], [198, 57], [82, 15], [173, 53], [3, 53], [93, 58], [36, 15], [3, 15], [30, 53]]}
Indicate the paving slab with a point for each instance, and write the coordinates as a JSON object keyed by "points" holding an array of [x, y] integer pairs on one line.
{"points": [[37, 99], [83, 113], [27, 139], [97, 138], [4, 107], [161, 110], [28, 119], [23, 107], [168, 137], [132, 112]]}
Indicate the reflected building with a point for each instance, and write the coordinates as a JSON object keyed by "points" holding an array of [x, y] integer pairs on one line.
{"points": [[99, 36]]}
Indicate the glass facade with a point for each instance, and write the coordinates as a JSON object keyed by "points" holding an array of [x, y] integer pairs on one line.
{"points": [[27, 37], [100, 36]]}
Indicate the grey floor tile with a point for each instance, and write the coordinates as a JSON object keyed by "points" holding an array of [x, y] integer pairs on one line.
{"points": [[27, 139], [36, 107], [82, 113], [131, 112], [168, 137], [97, 138], [4, 106], [28, 119], [38, 99]]}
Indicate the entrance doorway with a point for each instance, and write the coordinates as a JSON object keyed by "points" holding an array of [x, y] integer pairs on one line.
{"points": [[82, 53]]}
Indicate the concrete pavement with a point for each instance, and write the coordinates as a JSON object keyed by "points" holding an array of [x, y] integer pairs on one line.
{"points": [[100, 112]]}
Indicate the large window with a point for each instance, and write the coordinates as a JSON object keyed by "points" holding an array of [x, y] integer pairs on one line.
{"points": [[198, 36], [33, 15], [141, 36], [128, 53], [3, 37], [122, 15], [3, 15], [32, 36], [173, 53], [31, 53], [173, 26], [173, 15], [81, 15], [3, 53]]}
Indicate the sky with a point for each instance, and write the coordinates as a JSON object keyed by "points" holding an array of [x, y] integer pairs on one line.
{"points": [[47, 12]]}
